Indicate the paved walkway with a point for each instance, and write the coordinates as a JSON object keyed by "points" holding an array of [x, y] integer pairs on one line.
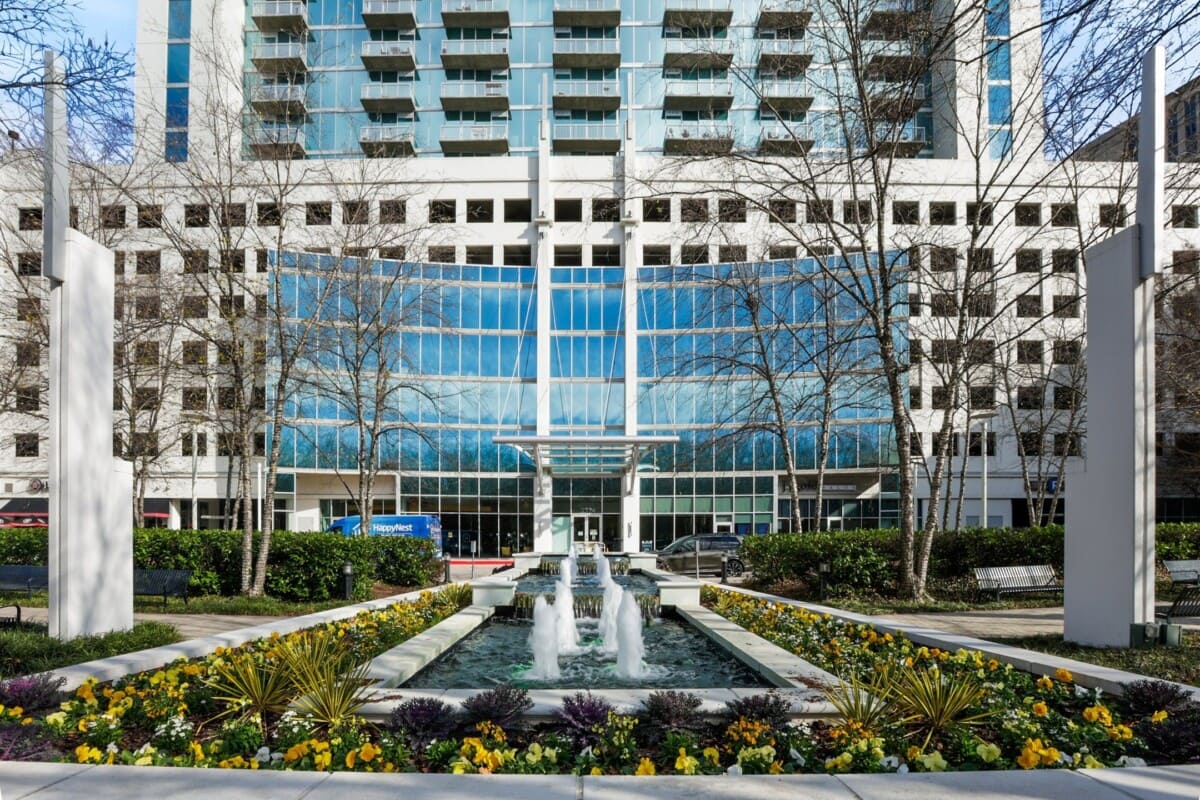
{"points": [[190, 626], [999, 623]]}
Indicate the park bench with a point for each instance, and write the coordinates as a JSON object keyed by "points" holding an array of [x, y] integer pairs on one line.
{"points": [[1187, 604], [162, 582], [1017, 580], [1183, 573], [24, 577]]}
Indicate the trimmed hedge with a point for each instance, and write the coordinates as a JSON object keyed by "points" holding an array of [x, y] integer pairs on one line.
{"points": [[864, 560], [302, 566]]}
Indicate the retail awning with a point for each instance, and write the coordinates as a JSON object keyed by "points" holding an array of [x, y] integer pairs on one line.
{"points": [[586, 456], [26, 507], [156, 508]]}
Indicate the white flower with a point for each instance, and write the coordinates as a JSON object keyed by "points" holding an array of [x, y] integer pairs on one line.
{"points": [[263, 755], [734, 769], [586, 752], [276, 757], [902, 770], [1131, 761], [112, 748], [889, 762]]}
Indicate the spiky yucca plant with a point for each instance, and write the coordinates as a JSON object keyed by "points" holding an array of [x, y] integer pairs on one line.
{"points": [[866, 704], [252, 687], [329, 687], [930, 701]]}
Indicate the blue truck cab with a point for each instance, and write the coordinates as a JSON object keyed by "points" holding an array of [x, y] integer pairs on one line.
{"points": [[418, 526]]}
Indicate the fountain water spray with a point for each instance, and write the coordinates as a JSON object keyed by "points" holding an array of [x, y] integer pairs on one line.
{"points": [[564, 610], [610, 606], [630, 647], [544, 642]]}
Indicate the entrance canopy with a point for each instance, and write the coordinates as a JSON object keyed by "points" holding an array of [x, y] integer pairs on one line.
{"points": [[585, 456]]}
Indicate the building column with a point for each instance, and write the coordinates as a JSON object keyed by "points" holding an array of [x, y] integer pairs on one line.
{"points": [[543, 496], [631, 252]]}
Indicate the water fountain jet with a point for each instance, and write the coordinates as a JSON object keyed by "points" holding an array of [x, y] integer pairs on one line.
{"points": [[564, 609], [630, 647], [544, 642]]}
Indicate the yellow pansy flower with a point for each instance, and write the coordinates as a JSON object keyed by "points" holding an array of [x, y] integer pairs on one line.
{"points": [[644, 767]]}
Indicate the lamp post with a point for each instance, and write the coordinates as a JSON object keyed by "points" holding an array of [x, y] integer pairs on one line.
{"points": [[823, 570]]}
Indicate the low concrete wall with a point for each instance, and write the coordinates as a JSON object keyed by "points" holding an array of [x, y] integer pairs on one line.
{"points": [[408, 658]]}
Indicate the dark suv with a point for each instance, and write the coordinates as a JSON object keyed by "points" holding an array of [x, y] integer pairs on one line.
{"points": [[680, 555]]}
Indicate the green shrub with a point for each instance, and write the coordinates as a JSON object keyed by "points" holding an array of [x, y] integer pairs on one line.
{"points": [[302, 567]]}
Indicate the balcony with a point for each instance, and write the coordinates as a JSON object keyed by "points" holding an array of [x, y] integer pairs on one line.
{"points": [[278, 98], [273, 16], [786, 14], [586, 137], [698, 13], [386, 141], [699, 138], [475, 13], [784, 55], [783, 95], [892, 60], [474, 137], [587, 53], [398, 56], [698, 53], [389, 14], [273, 58], [894, 102], [698, 95], [892, 19], [795, 139], [588, 95], [386, 97], [905, 140], [475, 95], [475, 54], [273, 142], [587, 13]]}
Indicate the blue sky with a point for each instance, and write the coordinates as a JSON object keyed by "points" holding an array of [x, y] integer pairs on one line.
{"points": [[116, 19]]}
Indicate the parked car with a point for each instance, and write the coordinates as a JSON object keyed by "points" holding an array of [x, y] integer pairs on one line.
{"points": [[680, 555]]}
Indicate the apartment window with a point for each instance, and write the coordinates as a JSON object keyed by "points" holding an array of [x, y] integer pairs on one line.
{"points": [[942, 351], [939, 398], [729, 253], [356, 212], [194, 447], [28, 398], [25, 445], [731, 210], [606, 255], [227, 445], [982, 304], [29, 265], [1065, 261], [777, 252], [195, 261], [1184, 216], [479, 254], [260, 305], [145, 354], [606, 209], [1064, 215], [1030, 351], [982, 396], [782, 211], [149, 216], [906, 212], [980, 259], [269, 214], [29, 219], [914, 444], [319, 213], [568, 210], [258, 397], [145, 398], [980, 352], [952, 445], [518, 255], [481, 211], [148, 306], [29, 354], [656, 255], [656, 209], [568, 255], [232, 305], [975, 442], [1029, 306], [443, 211], [980, 214], [194, 306], [1028, 215], [517, 211], [1185, 262], [1067, 444], [356, 252], [1029, 260], [29, 309], [112, 217], [233, 260], [914, 304], [1067, 398], [1030, 398], [857, 212], [693, 209], [1066, 306], [819, 211], [226, 398], [1112, 216], [1067, 352], [233, 215], [149, 262], [693, 254], [118, 262], [393, 253], [1030, 443], [943, 304], [916, 352], [195, 215], [443, 255], [943, 213], [393, 212], [914, 397], [942, 259]]}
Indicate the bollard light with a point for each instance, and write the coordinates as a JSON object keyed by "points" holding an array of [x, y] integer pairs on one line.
{"points": [[724, 567], [348, 578], [823, 570], [446, 559]]}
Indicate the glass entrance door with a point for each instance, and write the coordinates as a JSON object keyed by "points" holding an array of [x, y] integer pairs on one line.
{"points": [[585, 531]]}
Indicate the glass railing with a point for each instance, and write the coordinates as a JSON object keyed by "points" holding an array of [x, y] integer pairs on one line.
{"points": [[474, 47], [905, 134], [279, 9], [796, 132], [582, 88], [898, 90], [474, 6], [389, 8], [277, 93], [587, 5], [700, 129], [279, 51], [784, 47], [385, 134], [277, 136], [372, 49], [474, 131], [576, 131], [707, 88], [387, 91], [587, 46], [465, 90], [699, 5], [785, 88], [720, 47]]}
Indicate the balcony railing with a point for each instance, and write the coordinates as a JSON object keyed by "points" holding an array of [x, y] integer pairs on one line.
{"points": [[588, 89], [387, 96], [389, 13], [475, 137], [698, 52], [278, 98], [384, 55], [277, 15], [587, 12], [467, 90], [699, 137], [475, 13], [587, 137], [280, 56], [479, 53], [386, 140], [698, 95], [277, 141]]}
